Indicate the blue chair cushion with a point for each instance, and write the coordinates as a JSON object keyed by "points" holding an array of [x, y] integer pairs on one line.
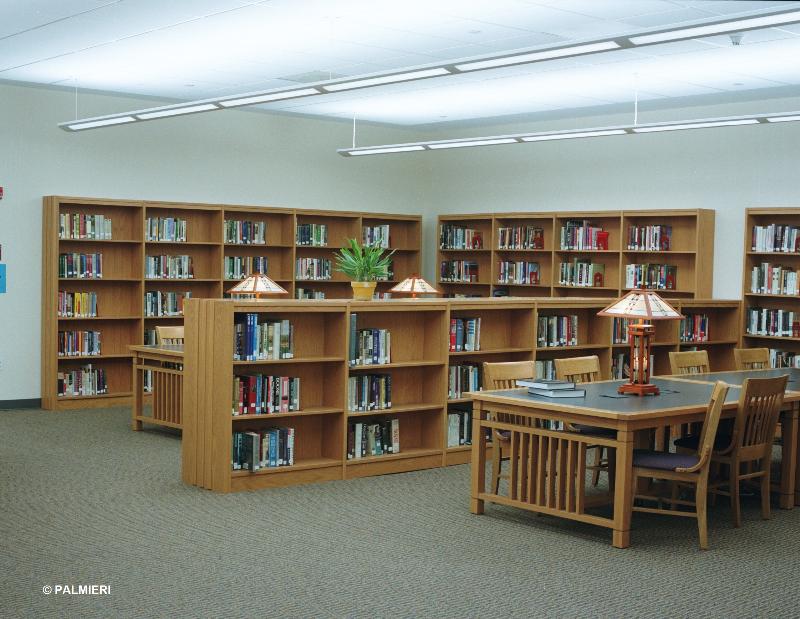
{"points": [[582, 429], [692, 441], [662, 460]]}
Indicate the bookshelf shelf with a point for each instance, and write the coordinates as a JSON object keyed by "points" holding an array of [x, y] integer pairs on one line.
{"points": [[121, 290], [403, 455], [102, 396], [402, 364], [296, 360], [396, 410], [302, 465], [690, 250], [310, 411]]}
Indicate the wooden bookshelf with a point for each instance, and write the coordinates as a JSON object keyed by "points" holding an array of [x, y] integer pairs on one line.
{"points": [[771, 300], [419, 368], [691, 251], [121, 317]]}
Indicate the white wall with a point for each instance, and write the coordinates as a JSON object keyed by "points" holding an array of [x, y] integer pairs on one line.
{"points": [[224, 157], [726, 169]]}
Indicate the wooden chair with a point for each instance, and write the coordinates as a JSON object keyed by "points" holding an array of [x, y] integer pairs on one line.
{"points": [[684, 469], [689, 362], [751, 358], [586, 370], [169, 335], [750, 444], [504, 376]]}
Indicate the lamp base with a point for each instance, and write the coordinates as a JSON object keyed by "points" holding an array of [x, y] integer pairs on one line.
{"points": [[638, 389]]}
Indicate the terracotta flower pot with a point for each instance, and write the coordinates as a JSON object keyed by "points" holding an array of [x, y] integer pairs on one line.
{"points": [[362, 291]]}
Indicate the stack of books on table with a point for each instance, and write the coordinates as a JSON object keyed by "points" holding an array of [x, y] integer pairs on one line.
{"points": [[552, 388]]}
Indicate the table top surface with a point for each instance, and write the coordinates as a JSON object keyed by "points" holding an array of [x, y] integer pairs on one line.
{"points": [[602, 400], [172, 350], [737, 377]]}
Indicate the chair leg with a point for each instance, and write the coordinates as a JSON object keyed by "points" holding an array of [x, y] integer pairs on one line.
{"points": [[598, 458], [736, 508], [765, 483], [612, 469], [715, 471], [496, 464], [675, 495], [701, 496]]}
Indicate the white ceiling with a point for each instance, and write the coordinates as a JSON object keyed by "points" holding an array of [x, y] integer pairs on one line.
{"points": [[192, 49]]}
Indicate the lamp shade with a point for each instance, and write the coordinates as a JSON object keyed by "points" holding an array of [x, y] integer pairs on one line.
{"points": [[257, 284], [644, 304], [414, 285]]}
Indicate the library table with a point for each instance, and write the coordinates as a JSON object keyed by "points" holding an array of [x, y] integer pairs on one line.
{"points": [[789, 488], [547, 467], [166, 364]]}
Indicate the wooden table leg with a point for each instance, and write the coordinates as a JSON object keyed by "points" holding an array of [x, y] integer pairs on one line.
{"points": [[786, 497], [478, 459], [136, 404], [623, 489]]}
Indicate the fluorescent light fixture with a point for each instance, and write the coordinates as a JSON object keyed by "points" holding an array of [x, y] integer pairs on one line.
{"points": [[548, 136], [387, 79], [387, 149], [275, 96], [487, 142], [577, 134], [548, 54], [720, 28], [697, 125], [119, 120], [782, 119], [176, 111]]}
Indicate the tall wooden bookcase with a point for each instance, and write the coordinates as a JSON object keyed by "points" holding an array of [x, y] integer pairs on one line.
{"points": [[757, 299], [691, 251], [122, 319], [419, 368]]}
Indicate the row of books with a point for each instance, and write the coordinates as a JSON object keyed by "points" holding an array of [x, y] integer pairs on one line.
{"points": [[80, 266], [769, 278], [458, 271], [772, 322], [77, 304], [369, 392], [650, 238], [558, 330], [169, 267], [373, 438], [459, 237], [520, 237], [459, 428], [581, 272], [465, 334], [255, 341], [150, 337], [239, 267], [314, 235], [169, 229], [653, 276], [85, 381], [369, 346], [80, 226], [78, 343], [252, 451], [581, 234], [462, 378], [308, 293], [784, 358], [313, 269], [377, 236], [518, 272], [545, 368], [160, 303], [694, 328], [776, 238], [263, 394], [619, 330], [245, 232]]}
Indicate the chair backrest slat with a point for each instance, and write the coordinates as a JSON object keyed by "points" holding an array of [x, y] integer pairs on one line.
{"points": [[169, 335], [689, 362], [578, 369], [504, 376], [751, 358]]}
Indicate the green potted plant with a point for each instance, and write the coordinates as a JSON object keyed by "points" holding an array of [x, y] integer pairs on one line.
{"points": [[363, 264]]}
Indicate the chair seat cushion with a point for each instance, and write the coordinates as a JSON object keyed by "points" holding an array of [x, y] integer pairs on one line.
{"points": [[582, 429], [663, 460], [692, 441]]}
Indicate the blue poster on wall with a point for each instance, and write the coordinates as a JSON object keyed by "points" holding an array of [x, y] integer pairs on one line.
{"points": [[2, 278]]}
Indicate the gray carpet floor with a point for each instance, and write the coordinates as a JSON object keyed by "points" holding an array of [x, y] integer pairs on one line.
{"points": [[83, 500]]}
